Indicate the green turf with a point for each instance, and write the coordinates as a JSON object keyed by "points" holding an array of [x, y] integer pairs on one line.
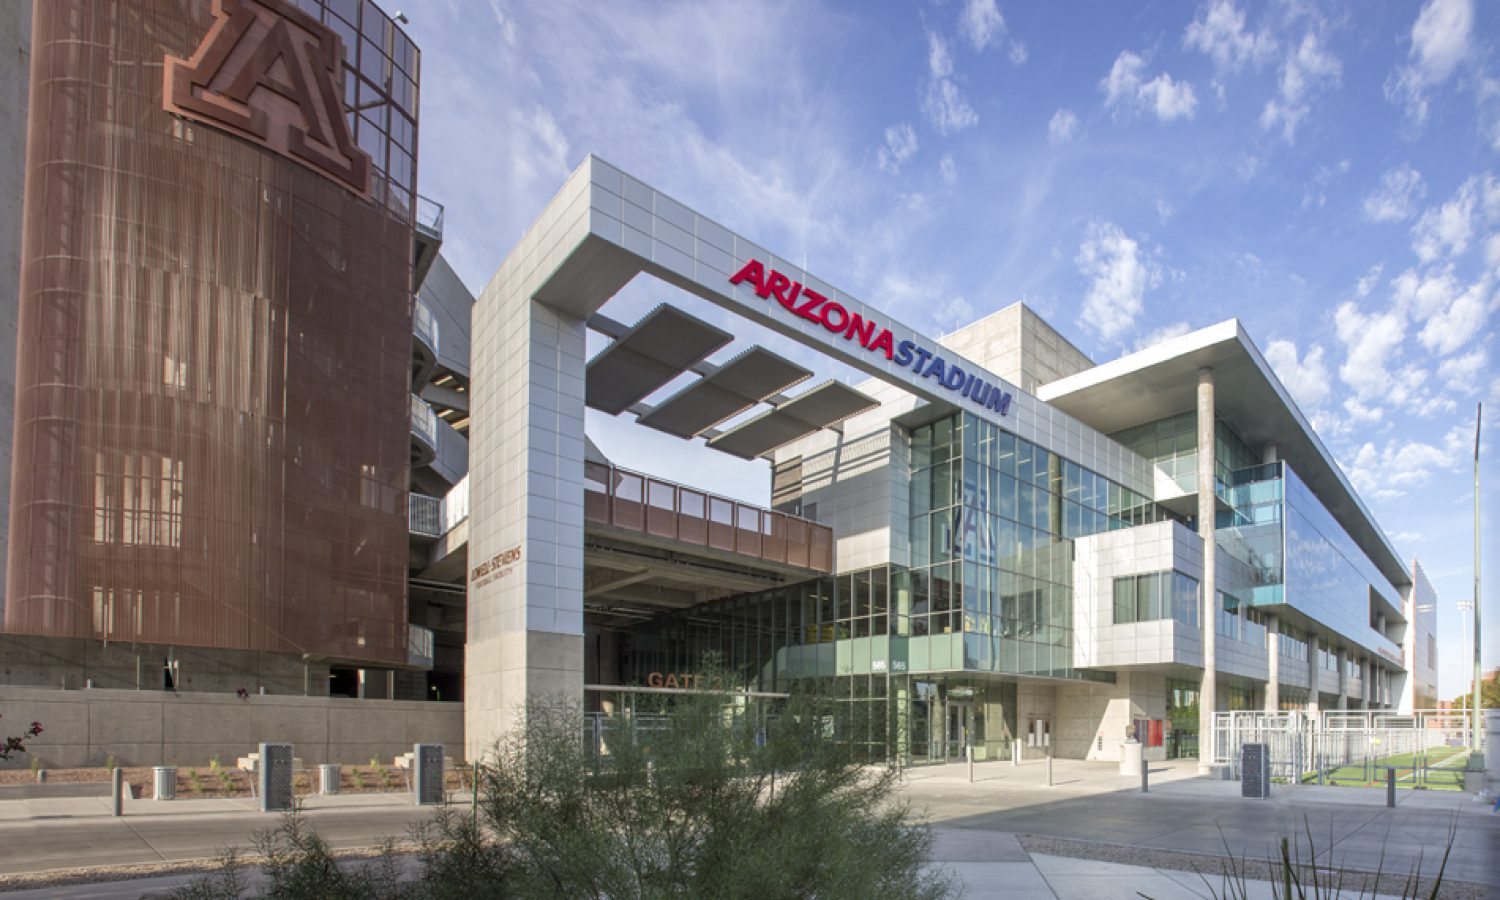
{"points": [[1444, 771]]}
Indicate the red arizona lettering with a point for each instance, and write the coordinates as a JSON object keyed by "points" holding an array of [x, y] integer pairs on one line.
{"points": [[753, 272], [808, 310], [859, 325], [777, 284], [884, 342]]}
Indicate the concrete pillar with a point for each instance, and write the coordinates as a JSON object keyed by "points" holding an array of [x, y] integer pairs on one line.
{"points": [[1273, 665], [1208, 692], [1312, 673], [1343, 664], [1367, 677], [1269, 453]]}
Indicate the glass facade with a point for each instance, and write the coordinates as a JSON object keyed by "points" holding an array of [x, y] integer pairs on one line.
{"points": [[992, 522], [1172, 445], [1158, 595]]}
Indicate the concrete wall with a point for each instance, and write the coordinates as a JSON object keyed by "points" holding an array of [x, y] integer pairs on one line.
{"points": [[71, 662], [1019, 346], [148, 728], [1092, 718]]}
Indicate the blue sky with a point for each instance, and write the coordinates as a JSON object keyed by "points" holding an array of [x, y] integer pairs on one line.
{"points": [[1325, 172]]}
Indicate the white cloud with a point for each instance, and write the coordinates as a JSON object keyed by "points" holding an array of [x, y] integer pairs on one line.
{"points": [[1446, 230], [1451, 328], [900, 144], [981, 23], [1403, 465], [1323, 177], [1397, 196], [1370, 341], [1307, 379], [1017, 53], [1063, 127], [1368, 280], [948, 169], [1465, 373], [943, 103], [1219, 31], [946, 107], [1126, 90], [953, 313], [1163, 334], [1306, 71], [1120, 276], [1441, 40], [939, 60]]}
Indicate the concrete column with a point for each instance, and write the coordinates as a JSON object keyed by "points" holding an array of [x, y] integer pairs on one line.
{"points": [[1273, 666], [1367, 676], [1269, 453], [1208, 692], [1343, 663], [1312, 673]]}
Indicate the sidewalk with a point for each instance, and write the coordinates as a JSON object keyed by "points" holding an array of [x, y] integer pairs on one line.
{"points": [[1093, 834]]}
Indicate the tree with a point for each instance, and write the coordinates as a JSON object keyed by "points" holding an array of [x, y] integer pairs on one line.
{"points": [[720, 798], [1489, 696]]}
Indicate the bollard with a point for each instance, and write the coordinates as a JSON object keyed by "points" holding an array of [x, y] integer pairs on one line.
{"points": [[328, 778], [1145, 776], [41, 776], [117, 791], [1049, 767], [1015, 752], [969, 754], [1390, 787]]}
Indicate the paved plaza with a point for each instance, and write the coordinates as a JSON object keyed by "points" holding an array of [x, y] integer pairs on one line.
{"points": [[1092, 834]]}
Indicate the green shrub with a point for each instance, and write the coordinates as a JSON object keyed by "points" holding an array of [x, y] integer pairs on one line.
{"points": [[709, 807]]}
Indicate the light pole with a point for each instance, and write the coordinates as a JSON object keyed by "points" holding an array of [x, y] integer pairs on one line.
{"points": [[1474, 711]]}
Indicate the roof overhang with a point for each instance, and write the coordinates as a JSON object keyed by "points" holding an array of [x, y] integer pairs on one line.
{"points": [[1162, 381]]}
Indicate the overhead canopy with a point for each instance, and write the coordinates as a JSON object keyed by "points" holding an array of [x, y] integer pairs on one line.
{"points": [[727, 391], [661, 346], [825, 405], [1162, 381]]}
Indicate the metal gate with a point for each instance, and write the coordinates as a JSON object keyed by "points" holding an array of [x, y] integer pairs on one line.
{"points": [[1428, 749]]}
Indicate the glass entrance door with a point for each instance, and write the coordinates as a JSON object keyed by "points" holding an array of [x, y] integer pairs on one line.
{"points": [[961, 729]]}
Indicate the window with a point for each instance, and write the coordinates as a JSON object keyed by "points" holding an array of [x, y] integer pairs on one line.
{"points": [[1156, 595]]}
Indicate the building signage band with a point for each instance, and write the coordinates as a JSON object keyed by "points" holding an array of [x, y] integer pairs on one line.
{"points": [[272, 74], [807, 303]]}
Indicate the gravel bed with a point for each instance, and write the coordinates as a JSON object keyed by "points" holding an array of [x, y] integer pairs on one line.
{"points": [[1352, 881]]}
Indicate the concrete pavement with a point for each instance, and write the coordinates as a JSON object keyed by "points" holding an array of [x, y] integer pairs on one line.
{"points": [[982, 830]]}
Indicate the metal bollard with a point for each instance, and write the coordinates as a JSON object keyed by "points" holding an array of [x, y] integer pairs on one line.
{"points": [[969, 755], [1145, 776], [1015, 752], [1390, 787], [117, 792], [1049, 767]]}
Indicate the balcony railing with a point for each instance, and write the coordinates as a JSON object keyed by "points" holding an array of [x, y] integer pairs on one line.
{"points": [[429, 217], [418, 646], [424, 422], [630, 500], [424, 325], [425, 515]]}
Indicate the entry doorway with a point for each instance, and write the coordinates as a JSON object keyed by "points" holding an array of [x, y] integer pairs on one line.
{"points": [[964, 728]]}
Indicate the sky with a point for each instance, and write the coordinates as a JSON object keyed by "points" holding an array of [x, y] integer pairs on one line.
{"points": [[1327, 173]]}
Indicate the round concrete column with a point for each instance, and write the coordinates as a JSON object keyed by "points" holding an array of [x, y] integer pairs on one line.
{"points": [[1273, 666], [1208, 692]]}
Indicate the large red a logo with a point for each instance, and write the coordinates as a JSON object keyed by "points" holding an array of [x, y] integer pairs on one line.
{"points": [[271, 73]]}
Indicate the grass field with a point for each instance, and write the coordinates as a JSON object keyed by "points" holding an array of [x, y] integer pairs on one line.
{"points": [[1444, 771]]}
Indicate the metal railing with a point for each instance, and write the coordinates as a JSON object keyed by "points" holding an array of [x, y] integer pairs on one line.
{"points": [[429, 217], [419, 646], [424, 422], [1427, 748], [424, 325], [424, 515], [631, 500]]}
